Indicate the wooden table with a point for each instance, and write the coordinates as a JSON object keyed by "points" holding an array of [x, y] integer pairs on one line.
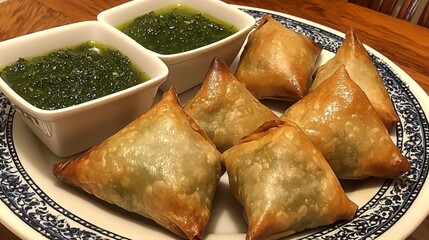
{"points": [[405, 44]]}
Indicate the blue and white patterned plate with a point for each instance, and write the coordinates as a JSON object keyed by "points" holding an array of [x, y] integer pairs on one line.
{"points": [[35, 205]]}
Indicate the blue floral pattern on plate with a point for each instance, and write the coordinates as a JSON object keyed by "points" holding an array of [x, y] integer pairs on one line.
{"points": [[381, 212]]}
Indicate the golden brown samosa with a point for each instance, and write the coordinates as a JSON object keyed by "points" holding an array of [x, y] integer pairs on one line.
{"points": [[224, 108], [340, 120], [284, 183], [277, 62], [161, 166], [353, 55]]}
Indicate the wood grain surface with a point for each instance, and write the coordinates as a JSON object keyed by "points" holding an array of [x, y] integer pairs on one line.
{"points": [[404, 43]]}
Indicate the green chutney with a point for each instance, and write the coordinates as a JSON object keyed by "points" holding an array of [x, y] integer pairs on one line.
{"points": [[175, 29], [73, 75]]}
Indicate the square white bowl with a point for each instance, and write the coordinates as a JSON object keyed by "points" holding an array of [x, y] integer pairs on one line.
{"points": [[188, 69], [70, 130]]}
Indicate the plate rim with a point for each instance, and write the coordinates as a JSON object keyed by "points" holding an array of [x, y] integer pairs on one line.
{"points": [[414, 213], [10, 220]]}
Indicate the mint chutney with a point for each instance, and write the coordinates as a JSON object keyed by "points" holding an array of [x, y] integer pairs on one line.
{"points": [[72, 75], [175, 29]]}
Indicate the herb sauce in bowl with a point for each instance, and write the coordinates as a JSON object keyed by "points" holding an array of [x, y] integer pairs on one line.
{"points": [[70, 76], [175, 29]]}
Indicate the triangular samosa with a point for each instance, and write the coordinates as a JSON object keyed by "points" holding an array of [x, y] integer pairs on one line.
{"points": [[161, 166], [277, 62], [340, 120], [353, 55], [224, 108], [284, 183]]}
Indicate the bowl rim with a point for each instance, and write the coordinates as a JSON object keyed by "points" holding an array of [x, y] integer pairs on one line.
{"points": [[248, 23], [55, 114]]}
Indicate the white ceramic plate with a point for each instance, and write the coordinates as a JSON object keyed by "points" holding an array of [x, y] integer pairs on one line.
{"points": [[35, 205]]}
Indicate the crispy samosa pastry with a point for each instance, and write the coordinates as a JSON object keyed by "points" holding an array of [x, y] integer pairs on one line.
{"points": [[277, 62], [340, 120], [362, 71], [224, 108], [284, 183], [161, 166]]}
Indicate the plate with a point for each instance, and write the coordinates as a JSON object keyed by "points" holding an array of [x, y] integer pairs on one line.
{"points": [[35, 205]]}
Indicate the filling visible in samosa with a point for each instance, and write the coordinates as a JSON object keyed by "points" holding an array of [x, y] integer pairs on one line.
{"points": [[363, 72], [224, 108], [340, 120], [277, 63], [284, 183], [161, 166]]}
